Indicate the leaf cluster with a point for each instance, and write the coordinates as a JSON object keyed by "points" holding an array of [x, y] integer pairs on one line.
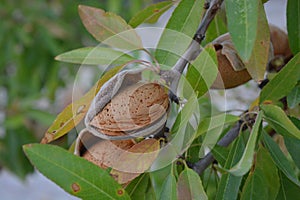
{"points": [[261, 163]]}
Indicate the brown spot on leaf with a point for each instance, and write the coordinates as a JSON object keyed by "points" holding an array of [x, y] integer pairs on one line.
{"points": [[156, 10], [61, 124], [75, 187], [120, 192]]}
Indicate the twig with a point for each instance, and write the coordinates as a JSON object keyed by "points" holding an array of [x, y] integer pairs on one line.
{"points": [[194, 48], [172, 77], [202, 164]]}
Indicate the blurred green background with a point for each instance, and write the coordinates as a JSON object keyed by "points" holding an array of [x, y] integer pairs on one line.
{"points": [[32, 33]]}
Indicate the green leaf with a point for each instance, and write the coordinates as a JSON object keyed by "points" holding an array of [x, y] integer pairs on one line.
{"points": [[216, 28], [158, 178], [244, 165], [229, 184], [279, 121], [75, 175], [40, 116], [138, 187], [293, 98], [76, 111], [179, 31], [169, 188], [280, 159], [242, 17], [283, 82], [11, 154], [263, 182], [183, 134], [220, 154], [215, 122], [293, 25], [293, 145], [288, 190], [109, 28], [203, 71], [150, 14], [189, 186], [95, 56], [256, 66], [213, 127]]}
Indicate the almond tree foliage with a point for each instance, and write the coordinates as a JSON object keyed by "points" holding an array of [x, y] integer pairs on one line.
{"points": [[32, 33], [225, 156]]}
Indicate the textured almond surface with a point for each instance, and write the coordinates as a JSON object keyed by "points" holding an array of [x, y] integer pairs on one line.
{"points": [[134, 107], [104, 153]]}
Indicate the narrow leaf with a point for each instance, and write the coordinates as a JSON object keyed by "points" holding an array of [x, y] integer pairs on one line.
{"points": [[189, 186], [75, 111], [158, 178], [150, 14], [293, 98], [242, 20], [293, 24], [288, 190], [283, 82], [109, 28], [213, 127], [220, 154], [256, 66], [179, 31], [244, 165], [229, 184], [293, 145], [279, 121], [138, 187], [280, 159], [169, 188], [203, 71], [263, 182], [215, 29], [74, 174], [95, 56], [183, 135], [213, 122]]}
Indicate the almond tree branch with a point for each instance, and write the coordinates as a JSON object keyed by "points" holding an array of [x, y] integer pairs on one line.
{"points": [[172, 76], [194, 48], [230, 136]]}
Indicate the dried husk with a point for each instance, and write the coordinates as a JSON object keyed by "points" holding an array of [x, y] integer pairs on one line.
{"points": [[126, 158], [232, 71], [280, 42], [126, 107]]}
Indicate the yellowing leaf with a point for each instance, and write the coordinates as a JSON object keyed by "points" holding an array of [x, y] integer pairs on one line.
{"points": [[256, 66], [109, 28], [75, 111]]}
